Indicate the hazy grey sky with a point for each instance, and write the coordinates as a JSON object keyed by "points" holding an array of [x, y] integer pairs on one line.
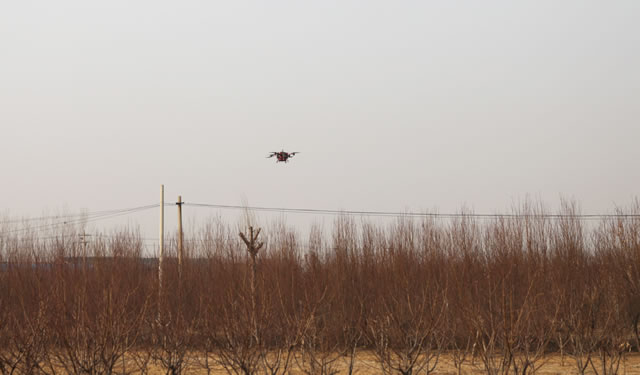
{"points": [[393, 105]]}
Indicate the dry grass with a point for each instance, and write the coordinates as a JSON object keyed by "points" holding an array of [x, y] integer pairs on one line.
{"points": [[367, 364]]}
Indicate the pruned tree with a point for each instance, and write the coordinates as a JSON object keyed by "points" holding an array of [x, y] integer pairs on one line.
{"points": [[238, 338], [97, 310], [24, 338], [319, 349]]}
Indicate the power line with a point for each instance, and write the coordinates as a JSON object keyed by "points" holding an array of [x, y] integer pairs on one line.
{"points": [[96, 216], [55, 217], [83, 218], [64, 216], [415, 214], [99, 237]]}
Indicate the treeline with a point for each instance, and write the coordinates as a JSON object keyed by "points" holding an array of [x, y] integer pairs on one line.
{"points": [[501, 293]]}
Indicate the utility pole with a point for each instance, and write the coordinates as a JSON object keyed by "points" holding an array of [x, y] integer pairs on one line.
{"points": [[161, 244], [83, 241], [180, 237]]}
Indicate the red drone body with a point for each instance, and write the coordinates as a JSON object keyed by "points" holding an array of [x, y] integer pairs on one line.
{"points": [[282, 156]]}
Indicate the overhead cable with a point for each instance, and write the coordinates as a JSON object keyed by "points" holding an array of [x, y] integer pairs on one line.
{"points": [[85, 218], [414, 214]]}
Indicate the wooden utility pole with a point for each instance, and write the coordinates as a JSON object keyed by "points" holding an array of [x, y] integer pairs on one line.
{"points": [[253, 246], [180, 237], [161, 240]]}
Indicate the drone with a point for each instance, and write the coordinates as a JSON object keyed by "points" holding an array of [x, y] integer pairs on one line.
{"points": [[282, 155]]}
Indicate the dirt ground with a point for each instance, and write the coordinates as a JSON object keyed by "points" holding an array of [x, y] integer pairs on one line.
{"points": [[366, 364]]}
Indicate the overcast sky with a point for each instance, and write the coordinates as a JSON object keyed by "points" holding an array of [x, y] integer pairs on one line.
{"points": [[394, 105]]}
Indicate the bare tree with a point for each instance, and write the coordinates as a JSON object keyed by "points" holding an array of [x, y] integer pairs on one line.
{"points": [[406, 327], [174, 337], [280, 313], [319, 349], [97, 316], [507, 291], [175, 327], [23, 338], [238, 338]]}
